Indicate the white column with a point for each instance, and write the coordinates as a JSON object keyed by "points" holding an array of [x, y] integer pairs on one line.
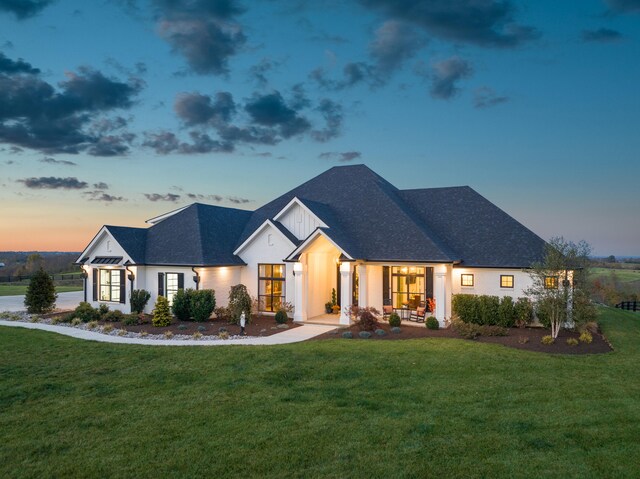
{"points": [[300, 300], [440, 296], [345, 292], [363, 300]]}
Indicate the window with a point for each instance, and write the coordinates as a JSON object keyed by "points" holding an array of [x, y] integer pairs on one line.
{"points": [[551, 282], [171, 287], [506, 281], [110, 285], [271, 286], [408, 286], [466, 280]]}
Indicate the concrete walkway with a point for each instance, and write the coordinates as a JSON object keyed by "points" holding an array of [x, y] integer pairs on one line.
{"points": [[294, 335], [64, 301]]}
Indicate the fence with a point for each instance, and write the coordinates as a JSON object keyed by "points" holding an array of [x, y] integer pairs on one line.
{"points": [[629, 305], [56, 277]]}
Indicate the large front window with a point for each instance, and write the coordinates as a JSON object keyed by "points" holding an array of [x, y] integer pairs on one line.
{"points": [[171, 287], [271, 284], [110, 285], [408, 286]]}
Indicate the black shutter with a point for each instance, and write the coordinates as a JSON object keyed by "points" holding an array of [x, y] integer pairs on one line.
{"points": [[386, 298], [180, 280], [123, 287], [429, 282], [160, 284], [95, 284]]}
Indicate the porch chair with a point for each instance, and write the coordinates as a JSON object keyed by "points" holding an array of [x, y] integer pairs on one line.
{"points": [[418, 315], [387, 308]]}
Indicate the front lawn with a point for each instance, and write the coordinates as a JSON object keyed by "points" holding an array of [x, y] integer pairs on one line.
{"points": [[336, 408], [21, 289]]}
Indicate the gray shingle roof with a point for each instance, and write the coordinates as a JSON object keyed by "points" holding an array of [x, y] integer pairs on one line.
{"points": [[369, 218]]}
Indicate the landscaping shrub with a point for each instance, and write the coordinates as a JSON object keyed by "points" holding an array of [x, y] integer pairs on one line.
{"points": [[41, 293], [139, 300], [586, 337], [161, 313], [465, 306], [394, 320], [92, 324], [432, 323], [366, 318], [347, 335], [182, 327], [488, 309], [572, 342], [197, 335], [396, 330], [131, 319], [466, 330], [380, 332], [107, 328], [364, 334], [523, 339], [167, 334], [114, 316], [76, 321], [523, 312], [181, 306], [103, 309], [506, 312], [223, 334], [489, 330], [85, 313], [122, 332], [222, 313], [67, 318], [223, 330], [548, 339], [202, 304], [239, 301], [281, 316]]}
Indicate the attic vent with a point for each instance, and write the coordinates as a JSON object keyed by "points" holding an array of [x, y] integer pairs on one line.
{"points": [[270, 240]]}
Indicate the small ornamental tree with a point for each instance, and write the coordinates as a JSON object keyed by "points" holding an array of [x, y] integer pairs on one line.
{"points": [[239, 301], [139, 300], [162, 312], [181, 306], [41, 293], [366, 318], [560, 277]]}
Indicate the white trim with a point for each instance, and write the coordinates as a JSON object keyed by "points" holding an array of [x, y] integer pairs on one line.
{"points": [[96, 238], [299, 202], [268, 222], [312, 237], [164, 216]]}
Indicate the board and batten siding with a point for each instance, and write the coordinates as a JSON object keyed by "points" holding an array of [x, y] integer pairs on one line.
{"points": [[299, 221]]}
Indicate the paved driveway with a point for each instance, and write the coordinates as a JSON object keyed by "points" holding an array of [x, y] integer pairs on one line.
{"points": [[65, 301]]}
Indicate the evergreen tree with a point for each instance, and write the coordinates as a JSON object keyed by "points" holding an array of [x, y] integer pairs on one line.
{"points": [[41, 294]]}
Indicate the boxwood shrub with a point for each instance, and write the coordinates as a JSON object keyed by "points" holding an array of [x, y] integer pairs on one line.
{"points": [[487, 310]]}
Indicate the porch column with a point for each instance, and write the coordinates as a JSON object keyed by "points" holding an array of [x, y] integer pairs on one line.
{"points": [[363, 301], [440, 296], [300, 305], [346, 278]]}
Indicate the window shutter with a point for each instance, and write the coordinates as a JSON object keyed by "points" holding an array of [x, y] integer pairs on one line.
{"points": [[160, 284], [123, 287], [180, 280], [386, 299], [95, 284], [429, 282]]}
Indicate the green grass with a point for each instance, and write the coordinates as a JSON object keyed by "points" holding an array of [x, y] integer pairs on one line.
{"points": [[21, 289], [373, 409], [624, 275]]}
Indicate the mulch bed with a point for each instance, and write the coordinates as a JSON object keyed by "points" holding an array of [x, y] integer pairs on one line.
{"points": [[259, 326], [517, 338]]}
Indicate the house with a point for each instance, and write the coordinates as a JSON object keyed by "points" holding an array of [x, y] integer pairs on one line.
{"points": [[347, 229]]}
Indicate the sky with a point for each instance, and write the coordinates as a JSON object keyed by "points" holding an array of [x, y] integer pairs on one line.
{"points": [[113, 112]]}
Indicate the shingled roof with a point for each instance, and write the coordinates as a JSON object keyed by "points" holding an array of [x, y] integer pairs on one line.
{"points": [[368, 217]]}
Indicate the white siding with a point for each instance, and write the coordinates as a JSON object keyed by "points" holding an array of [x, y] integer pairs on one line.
{"points": [[374, 286], [299, 221], [220, 279], [269, 247], [487, 281]]}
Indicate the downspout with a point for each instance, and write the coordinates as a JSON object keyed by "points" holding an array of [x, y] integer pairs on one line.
{"points": [[85, 275], [196, 278], [131, 277]]}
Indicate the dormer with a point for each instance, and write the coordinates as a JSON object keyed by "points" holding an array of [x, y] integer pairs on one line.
{"points": [[299, 219]]}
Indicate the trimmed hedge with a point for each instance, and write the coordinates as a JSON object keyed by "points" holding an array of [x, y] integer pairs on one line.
{"points": [[486, 310]]}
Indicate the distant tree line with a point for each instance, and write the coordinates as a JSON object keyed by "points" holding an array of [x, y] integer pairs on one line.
{"points": [[26, 264]]}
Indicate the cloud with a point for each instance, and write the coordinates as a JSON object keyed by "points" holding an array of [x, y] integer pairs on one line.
{"points": [[237, 200], [53, 161], [166, 142], [53, 183], [485, 97], [101, 186], [602, 35], [341, 157], [34, 114], [159, 197], [24, 8], [9, 66], [200, 197], [333, 116], [624, 6], [205, 32], [102, 196], [445, 76], [259, 71], [487, 23], [198, 109], [271, 110]]}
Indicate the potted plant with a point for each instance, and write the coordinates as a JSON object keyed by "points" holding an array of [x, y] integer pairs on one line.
{"points": [[335, 308], [328, 307]]}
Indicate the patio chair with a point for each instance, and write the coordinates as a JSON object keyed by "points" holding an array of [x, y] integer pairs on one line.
{"points": [[418, 315], [387, 309]]}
